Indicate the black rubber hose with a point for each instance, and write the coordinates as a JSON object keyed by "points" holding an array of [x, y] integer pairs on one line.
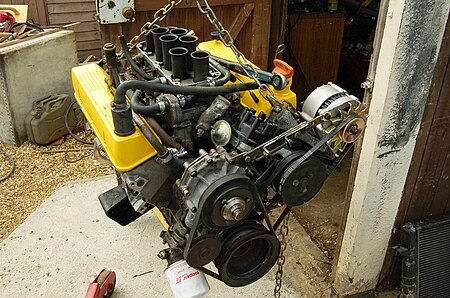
{"points": [[226, 75], [148, 110], [115, 75], [130, 60], [119, 97], [146, 131]]}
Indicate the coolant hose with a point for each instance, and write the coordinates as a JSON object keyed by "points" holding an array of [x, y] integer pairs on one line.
{"points": [[154, 86], [223, 70], [153, 109], [146, 131], [130, 60]]}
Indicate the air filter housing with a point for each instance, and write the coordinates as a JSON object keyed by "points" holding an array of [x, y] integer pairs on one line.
{"points": [[425, 251]]}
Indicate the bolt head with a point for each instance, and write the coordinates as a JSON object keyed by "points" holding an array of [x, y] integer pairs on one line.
{"points": [[128, 12]]}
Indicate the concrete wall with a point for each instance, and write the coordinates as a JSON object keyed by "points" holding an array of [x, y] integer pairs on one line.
{"points": [[31, 70], [408, 54]]}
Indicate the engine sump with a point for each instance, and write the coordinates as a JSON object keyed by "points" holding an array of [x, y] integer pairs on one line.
{"points": [[425, 251]]}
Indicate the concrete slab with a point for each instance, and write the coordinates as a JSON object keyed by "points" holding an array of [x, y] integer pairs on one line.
{"points": [[59, 249]]}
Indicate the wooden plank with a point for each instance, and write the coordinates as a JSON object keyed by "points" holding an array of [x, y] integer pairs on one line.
{"points": [[36, 10], [316, 44], [195, 21], [240, 19], [87, 36], [86, 26], [277, 27], [71, 7], [437, 149], [89, 45], [109, 33], [243, 41], [9, 43], [144, 5], [261, 33], [65, 18], [178, 18], [67, 1], [42, 12], [442, 193], [85, 53]]}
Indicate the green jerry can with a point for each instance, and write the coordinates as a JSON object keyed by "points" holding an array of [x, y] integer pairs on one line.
{"points": [[46, 121]]}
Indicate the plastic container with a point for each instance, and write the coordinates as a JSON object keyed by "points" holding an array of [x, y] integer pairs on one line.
{"points": [[185, 281], [45, 122]]}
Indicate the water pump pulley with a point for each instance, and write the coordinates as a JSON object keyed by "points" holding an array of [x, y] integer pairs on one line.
{"points": [[228, 200]]}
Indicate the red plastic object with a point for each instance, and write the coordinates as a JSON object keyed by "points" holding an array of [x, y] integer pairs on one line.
{"points": [[283, 68], [6, 16], [103, 285]]}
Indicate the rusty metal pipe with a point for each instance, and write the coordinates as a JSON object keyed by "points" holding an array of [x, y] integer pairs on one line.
{"points": [[162, 134]]}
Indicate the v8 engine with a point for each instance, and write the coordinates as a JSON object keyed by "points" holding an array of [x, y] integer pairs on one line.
{"points": [[212, 143]]}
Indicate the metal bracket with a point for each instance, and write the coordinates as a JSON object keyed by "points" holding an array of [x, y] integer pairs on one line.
{"points": [[115, 11], [367, 85]]}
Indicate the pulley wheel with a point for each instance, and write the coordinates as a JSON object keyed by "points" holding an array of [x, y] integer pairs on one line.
{"points": [[204, 249], [248, 253], [300, 182], [353, 130], [228, 201]]}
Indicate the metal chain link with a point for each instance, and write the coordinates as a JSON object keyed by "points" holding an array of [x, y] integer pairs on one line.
{"points": [[226, 38], [284, 231], [159, 15], [224, 35]]}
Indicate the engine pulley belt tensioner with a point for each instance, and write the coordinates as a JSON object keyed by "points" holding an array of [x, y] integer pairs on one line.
{"points": [[212, 144]]}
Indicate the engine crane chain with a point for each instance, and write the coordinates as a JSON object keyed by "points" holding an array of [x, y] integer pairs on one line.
{"points": [[267, 94], [159, 15], [224, 34], [284, 230], [250, 71]]}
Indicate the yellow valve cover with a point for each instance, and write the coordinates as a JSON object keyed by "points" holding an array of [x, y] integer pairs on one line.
{"points": [[94, 98]]}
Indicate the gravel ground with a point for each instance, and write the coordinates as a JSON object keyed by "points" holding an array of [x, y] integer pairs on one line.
{"points": [[39, 171]]}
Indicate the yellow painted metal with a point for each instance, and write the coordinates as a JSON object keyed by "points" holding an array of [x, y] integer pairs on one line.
{"points": [[160, 217], [94, 98], [20, 12], [218, 49]]}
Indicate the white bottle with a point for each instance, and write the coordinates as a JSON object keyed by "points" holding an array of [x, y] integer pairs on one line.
{"points": [[185, 281]]}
